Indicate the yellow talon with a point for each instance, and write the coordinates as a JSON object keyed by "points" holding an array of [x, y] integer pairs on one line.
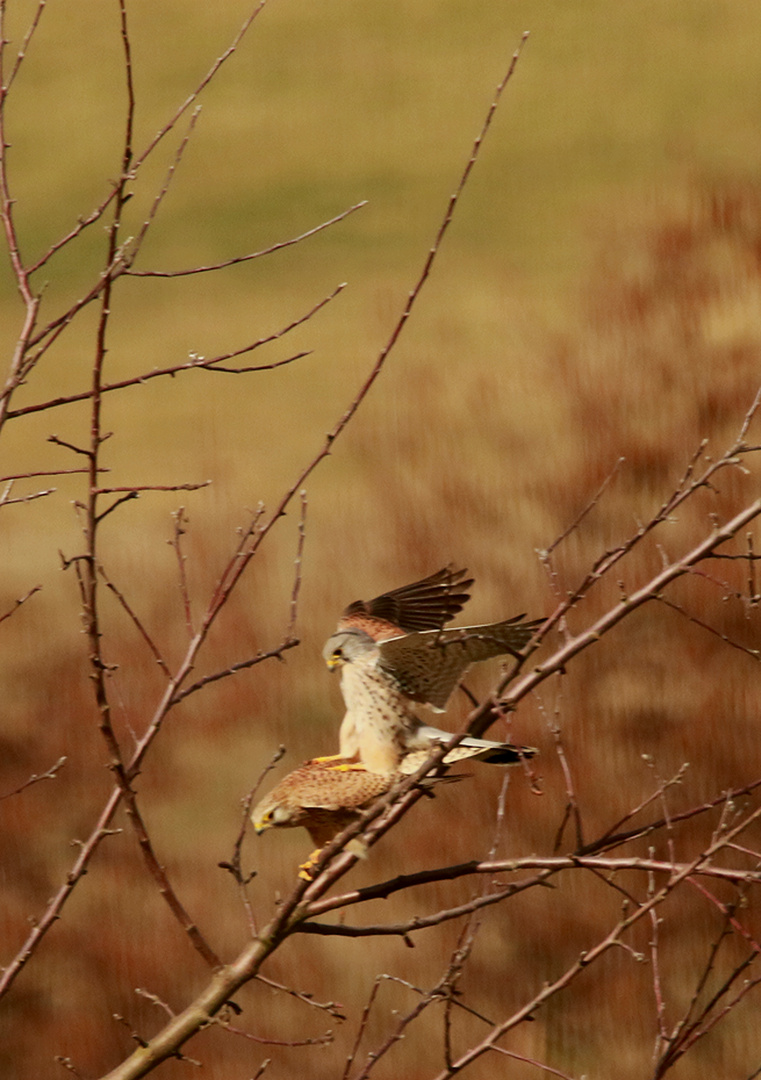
{"points": [[307, 869]]}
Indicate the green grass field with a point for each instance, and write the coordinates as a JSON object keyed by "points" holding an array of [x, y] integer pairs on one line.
{"points": [[596, 296]]}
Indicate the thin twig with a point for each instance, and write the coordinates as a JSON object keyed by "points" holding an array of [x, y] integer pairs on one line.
{"points": [[21, 600], [140, 159], [195, 363], [331, 1007], [233, 669], [649, 591], [159, 875], [5, 499], [21, 55], [253, 255], [235, 866], [45, 472], [50, 774], [136, 621], [755, 654], [180, 521], [291, 631], [589, 507]]}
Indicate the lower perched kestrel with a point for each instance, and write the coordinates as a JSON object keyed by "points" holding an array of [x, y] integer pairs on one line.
{"points": [[387, 667], [325, 795]]}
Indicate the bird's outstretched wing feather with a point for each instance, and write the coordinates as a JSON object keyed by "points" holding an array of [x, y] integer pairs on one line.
{"points": [[427, 666], [424, 605]]}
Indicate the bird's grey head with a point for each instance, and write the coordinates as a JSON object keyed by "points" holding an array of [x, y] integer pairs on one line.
{"points": [[346, 646]]}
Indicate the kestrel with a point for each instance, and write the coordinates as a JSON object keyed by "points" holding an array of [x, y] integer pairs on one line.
{"points": [[322, 795], [387, 666], [325, 795]]}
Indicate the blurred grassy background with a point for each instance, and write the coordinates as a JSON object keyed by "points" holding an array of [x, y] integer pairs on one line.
{"points": [[597, 295]]}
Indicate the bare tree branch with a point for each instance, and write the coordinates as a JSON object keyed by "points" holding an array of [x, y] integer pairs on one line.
{"points": [[195, 363], [50, 774], [21, 600], [254, 255]]}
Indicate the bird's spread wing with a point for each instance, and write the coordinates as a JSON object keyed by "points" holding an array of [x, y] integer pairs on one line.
{"points": [[425, 605], [427, 666]]}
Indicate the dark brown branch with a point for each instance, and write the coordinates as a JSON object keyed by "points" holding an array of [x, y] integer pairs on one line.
{"points": [[423, 922], [612, 839], [71, 446], [614, 830], [217, 369], [591, 955], [133, 489], [129, 497], [547, 866]]}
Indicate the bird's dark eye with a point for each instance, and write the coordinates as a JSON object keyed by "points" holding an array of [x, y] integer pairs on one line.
{"points": [[335, 658]]}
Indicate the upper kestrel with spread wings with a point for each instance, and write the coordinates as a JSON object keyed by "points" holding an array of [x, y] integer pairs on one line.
{"points": [[393, 651]]}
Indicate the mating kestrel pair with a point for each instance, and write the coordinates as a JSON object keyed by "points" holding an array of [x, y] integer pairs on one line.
{"points": [[393, 652]]}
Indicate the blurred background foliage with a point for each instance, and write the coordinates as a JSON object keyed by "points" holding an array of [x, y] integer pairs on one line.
{"points": [[596, 297]]}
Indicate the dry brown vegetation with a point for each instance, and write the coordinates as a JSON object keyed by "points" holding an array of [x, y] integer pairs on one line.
{"points": [[483, 442]]}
